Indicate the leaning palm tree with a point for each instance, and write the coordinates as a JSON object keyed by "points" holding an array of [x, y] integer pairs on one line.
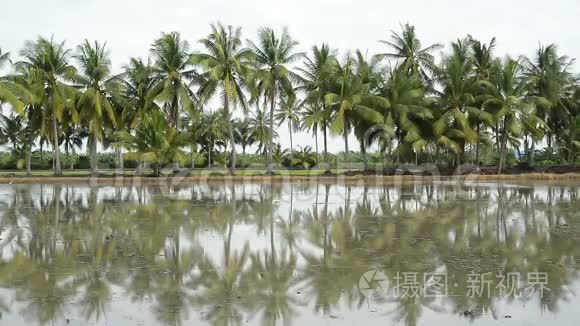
{"points": [[101, 93], [173, 72], [226, 68], [407, 48], [315, 81], [288, 112], [50, 63], [273, 54]]}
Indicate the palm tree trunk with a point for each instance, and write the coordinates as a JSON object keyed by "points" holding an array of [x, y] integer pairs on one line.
{"points": [[271, 142], [316, 141], [232, 138], [291, 144], [121, 165], [28, 159], [93, 153], [72, 162], [502, 146], [477, 145], [209, 149], [325, 141], [346, 146], [363, 150], [533, 152], [57, 167]]}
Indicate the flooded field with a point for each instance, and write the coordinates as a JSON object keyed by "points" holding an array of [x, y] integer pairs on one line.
{"points": [[290, 254]]}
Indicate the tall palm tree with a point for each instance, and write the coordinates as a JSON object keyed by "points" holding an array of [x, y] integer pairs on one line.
{"points": [[288, 112], [452, 128], [31, 90], [549, 76], [139, 80], [315, 82], [50, 63], [407, 113], [484, 64], [513, 108], [101, 93], [226, 68], [349, 99], [273, 55], [173, 74], [407, 48]]}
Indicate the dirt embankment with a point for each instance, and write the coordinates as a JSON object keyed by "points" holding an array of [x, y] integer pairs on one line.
{"points": [[380, 177]]}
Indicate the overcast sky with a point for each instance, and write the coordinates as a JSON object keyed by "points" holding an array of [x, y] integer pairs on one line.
{"points": [[129, 26]]}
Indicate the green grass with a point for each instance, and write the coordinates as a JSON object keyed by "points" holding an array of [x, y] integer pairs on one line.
{"points": [[196, 172]]}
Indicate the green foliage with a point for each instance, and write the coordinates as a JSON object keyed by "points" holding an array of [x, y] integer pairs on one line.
{"points": [[400, 105], [300, 159]]}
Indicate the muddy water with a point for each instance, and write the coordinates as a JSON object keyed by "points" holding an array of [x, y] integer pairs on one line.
{"points": [[290, 254]]}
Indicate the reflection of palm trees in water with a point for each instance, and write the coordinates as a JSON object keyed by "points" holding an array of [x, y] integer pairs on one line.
{"points": [[64, 244]]}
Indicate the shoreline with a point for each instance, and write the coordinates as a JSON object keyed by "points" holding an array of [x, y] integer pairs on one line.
{"points": [[337, 179]]}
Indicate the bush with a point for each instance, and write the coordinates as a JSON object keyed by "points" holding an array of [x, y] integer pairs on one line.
{"points": [[83, 162]]}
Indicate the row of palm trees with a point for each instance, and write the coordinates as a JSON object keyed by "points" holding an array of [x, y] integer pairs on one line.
{"points": [[402, 101]]}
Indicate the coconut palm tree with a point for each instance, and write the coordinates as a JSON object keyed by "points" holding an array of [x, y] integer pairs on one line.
{"points": [[173, 74], [484, 64], [315, 81], [549, 77], [407, 49], [156, 142], [31, 90], [226, 68], [6, 88], [408, 114], [273, 54], [513, 108], [349, 99], [13, 132], [73, 136], [243, 134], [49, 62], [452, 128], [139, 80], [214, 131], [101, 94], [261, 131], [289, 113]]}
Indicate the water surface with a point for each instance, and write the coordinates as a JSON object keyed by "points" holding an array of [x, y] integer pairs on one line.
{"points": [[289, 254]]}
